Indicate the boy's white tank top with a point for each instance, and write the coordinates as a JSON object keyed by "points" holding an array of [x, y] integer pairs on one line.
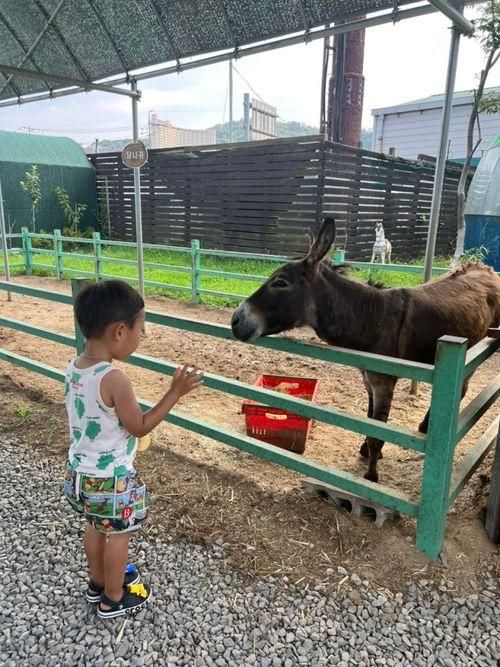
{"points": [[99, 444]]}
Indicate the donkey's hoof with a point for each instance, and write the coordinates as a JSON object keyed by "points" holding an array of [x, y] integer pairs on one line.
{"points": [[372, 476], [364, 451]]}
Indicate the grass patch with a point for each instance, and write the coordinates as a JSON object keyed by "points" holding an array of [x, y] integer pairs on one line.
{"points": [[235, 285]]}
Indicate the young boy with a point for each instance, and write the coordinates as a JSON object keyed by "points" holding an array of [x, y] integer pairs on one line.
{"points": [[105, 422]]}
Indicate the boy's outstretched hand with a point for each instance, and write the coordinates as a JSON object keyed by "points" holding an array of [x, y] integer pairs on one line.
{"points": [[186, 380]]}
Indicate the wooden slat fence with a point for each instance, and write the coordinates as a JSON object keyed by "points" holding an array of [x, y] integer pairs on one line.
{"points": [[263, 197]]}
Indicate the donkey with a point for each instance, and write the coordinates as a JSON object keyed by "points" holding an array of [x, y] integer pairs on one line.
{"points": [[404, 323]]}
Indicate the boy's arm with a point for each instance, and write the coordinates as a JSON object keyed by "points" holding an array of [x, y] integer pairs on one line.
{"points": [[117, 387]]}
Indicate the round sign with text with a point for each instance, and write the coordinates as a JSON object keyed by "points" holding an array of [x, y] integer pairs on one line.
{"points": [[134, 154]]}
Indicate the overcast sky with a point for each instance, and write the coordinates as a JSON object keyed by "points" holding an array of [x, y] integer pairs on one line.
{"points": [[402, 63]]}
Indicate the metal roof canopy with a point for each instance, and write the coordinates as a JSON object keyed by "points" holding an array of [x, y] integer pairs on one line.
{"points": [[83, 45], [49, 48]]}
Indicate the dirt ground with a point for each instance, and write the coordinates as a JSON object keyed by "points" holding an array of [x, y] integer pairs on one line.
{"points": [[205, 490]]}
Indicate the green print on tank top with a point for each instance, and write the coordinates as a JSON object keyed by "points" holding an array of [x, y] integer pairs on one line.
{"points": [[79, 406], [105, 459], [77, 459], [131, 444], [76, 435], [93, 429]]}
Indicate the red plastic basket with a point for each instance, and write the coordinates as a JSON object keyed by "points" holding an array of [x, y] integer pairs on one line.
{"points": [[279, 427]]}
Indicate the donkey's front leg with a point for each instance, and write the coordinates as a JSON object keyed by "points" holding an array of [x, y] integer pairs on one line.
{"points": [[364, 450], [383, 391]]}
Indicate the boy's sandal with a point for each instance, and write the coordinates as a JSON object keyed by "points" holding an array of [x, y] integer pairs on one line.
{"points": [[134, 598], [94, 592]]}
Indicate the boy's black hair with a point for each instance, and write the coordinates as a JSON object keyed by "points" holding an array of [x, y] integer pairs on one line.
{"points": [[103, 303]]}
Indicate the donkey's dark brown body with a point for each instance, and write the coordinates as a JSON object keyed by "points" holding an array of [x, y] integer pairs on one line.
{"points": [[404, 323]]}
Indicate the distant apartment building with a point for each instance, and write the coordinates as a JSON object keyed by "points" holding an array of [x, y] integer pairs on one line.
{"points": [[165, 135], [414, 127]]}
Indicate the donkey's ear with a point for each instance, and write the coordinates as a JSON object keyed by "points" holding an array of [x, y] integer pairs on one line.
{"points": [[320, 247]]}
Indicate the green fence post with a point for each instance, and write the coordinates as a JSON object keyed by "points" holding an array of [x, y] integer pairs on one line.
{"points": [[339, 256], [195, 271], [27, 250], [58, 253], [441, 434], [96, 237], [77, 284]]}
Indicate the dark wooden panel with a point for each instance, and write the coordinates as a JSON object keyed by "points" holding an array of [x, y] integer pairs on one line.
{"points": [[265, 196]]}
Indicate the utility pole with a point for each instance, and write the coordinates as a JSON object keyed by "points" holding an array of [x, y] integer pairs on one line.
{"points": [[324, 78], [345, 99]]}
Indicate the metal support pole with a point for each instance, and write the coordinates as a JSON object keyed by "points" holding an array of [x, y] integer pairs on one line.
{"points": [[231, 100], [3, 234], [443, 148], [456, 15], [246, 116], [137, 196]]}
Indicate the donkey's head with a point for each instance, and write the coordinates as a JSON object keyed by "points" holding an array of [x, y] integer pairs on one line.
{"points": [[284, 300]]}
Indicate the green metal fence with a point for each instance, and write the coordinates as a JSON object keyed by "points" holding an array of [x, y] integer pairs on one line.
{"points": [[441, 484], [196, 271]]}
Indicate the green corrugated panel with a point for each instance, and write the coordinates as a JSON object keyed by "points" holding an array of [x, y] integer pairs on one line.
{"points": [[34, 149], [61, 162], [496, 142], [438, 99]]}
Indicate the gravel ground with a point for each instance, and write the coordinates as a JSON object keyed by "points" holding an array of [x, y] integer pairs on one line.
{"points": [[203, 613]]}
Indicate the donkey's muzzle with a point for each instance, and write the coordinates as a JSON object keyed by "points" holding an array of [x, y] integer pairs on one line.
{"points": [[243, 324]]}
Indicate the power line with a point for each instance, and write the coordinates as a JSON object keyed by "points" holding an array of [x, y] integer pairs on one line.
{"points": [[248, 84]]}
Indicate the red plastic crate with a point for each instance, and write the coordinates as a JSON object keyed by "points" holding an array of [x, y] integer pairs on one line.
{"points": [[279, 427]]}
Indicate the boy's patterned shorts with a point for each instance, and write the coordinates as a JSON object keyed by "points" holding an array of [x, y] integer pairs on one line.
{"points": [[110, 504]]}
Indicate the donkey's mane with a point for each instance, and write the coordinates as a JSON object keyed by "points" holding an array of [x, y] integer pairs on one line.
{"points": [[378, 284]]}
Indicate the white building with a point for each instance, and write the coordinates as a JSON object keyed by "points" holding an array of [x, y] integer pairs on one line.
{"points": [[165, 135], [414, 127]]}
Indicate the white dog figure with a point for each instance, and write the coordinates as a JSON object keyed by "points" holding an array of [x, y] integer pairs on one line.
{"points": [[382, 247]]}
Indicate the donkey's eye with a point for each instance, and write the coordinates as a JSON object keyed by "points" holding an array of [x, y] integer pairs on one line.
{"points": [[279, 284]]}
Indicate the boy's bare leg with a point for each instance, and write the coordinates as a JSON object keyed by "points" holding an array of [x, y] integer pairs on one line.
{"points": [[94, 542], [115, 562]]}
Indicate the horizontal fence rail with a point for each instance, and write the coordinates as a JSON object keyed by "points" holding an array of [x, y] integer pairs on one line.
{"points": [[447, 426], [196, 272], [376, 492], [403, 437], [362, 360]]}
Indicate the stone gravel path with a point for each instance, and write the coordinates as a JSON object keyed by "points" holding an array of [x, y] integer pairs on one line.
{"points": [[203, 613]]}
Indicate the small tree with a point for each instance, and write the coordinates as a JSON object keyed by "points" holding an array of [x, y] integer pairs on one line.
{"points": [[73, 214], [488, 32], [32, 188]]}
